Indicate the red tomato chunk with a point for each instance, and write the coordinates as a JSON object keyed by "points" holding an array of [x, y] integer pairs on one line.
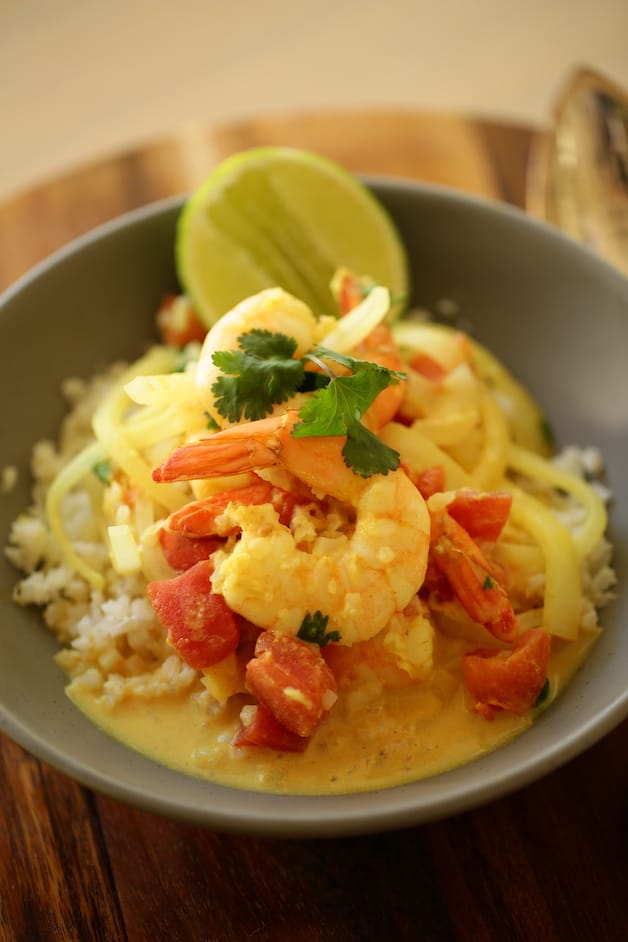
{"points": [[260, 728], [290, 678], [178, 323], [430, 481], [483, 515], [200, 625], [510, 681], [182, 552], [428, 367]]}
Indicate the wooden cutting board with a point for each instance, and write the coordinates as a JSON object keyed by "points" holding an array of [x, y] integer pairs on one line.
{"points": [[547, 864]]}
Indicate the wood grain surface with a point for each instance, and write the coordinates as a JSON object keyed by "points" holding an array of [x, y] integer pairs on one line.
{"points": [[547, 863]]}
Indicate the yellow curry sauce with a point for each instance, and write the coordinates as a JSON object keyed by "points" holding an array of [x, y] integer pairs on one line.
{"points": [[371, 739]]}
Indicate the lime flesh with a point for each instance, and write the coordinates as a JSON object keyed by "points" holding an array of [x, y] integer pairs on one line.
{"points": [[282, 217]]}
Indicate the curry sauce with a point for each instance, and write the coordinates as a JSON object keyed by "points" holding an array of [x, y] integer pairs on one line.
{"points": [[372, 739]]}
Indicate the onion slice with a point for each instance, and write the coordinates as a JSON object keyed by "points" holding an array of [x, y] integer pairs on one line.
{"points": [[358, 323]]}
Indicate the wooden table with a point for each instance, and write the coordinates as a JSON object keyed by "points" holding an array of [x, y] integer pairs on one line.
{"points": [[547, 863]]}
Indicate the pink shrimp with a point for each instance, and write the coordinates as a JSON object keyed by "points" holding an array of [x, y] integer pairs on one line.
{"points": [[475, 582], [202, 518], [359, 575]]}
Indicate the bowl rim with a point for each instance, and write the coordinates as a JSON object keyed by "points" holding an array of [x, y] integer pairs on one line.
{"points": [[389, 183], [326, 815], [303, 816]]}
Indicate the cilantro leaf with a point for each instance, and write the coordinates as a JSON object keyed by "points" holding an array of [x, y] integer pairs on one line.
{"points": [[259, 375], [313, 629], [337, 409], [357, 365], [366, 454], [266, 345], [103, 471], [263, 372], [344, 400], [212, 424]]}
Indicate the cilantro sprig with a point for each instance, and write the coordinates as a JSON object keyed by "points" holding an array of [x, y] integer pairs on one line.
{"points": [[313, 629], [263, 372], [338, 407]]}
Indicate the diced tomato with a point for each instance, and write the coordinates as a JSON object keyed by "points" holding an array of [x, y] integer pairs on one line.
{"points": [[200, 625], [351, 292], [483, 515], [178, 323], [510, 681], [427, 366], [285, 502], [431, 481], [182, 552], [405, 419], [262, 729], [474, 580], [291, 679]]}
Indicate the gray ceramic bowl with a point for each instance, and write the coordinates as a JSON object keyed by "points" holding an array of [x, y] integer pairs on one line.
{"points": [[557, 315]]}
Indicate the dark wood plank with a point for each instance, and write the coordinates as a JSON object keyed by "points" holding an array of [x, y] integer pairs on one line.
{"points": [[548, 862], [232, 887], [54, 868]]}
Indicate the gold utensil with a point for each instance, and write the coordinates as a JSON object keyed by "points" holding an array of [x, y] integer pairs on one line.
{"points": [[578, 170]]}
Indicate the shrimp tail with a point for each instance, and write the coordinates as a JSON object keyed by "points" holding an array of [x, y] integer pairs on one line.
{"points": [[231, 451], [207, 458]]}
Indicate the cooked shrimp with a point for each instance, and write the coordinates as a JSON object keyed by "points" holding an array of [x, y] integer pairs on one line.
{"points": [[476, 583], [279, 312], [274, 310], [379, 347], [399, 655], [203, 518], [360, 573]]}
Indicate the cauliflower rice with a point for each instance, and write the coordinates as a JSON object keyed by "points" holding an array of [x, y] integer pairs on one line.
{"points": [[112, 641]]}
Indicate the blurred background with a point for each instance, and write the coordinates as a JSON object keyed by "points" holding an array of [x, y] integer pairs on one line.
{"points": [[82, 79]]}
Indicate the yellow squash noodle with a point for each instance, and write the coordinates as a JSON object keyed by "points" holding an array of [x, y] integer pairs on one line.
{"points": [[110, 432], [562, 601], [508, 438], [587, 536], [69, 476]]}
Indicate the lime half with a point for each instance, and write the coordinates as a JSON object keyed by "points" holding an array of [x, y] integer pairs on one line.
{"points": [[276, 216]]}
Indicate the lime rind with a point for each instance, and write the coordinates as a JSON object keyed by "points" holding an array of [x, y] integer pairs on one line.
{"points": [[280, 216]]}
